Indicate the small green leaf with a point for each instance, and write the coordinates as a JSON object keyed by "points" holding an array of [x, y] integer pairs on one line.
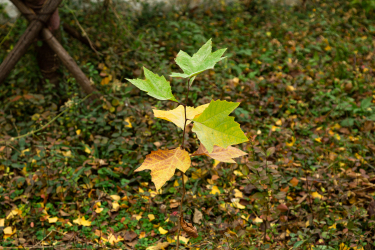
{"points": [[215, 127], [155, 86], [201, 61], [365, 103]]}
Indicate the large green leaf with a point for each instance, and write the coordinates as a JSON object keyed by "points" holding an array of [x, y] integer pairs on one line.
{"points": [[155, 86], [201, 61], [215, 127]]}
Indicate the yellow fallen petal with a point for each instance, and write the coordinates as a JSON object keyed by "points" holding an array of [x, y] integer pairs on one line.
{"points": [[215, 190], [142, 235], [115, 206], [85, 222], [151, 217], [318, 139], [2, 222], [129, 125], [238, 205], [78, 132], [52, 219], [162, 230], [138, 217], [257, 220], [290, 144], [238, 193], [8, 230], [316, 195], [183, 239], [175, 184], [98, 210], [115, 197]]}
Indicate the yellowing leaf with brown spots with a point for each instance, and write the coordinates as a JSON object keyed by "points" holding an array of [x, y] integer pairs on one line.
{"points": [[177, 115], [220, 154], [163, 164]]}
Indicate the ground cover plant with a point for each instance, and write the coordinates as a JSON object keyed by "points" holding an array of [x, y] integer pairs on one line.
{"points": [[305, 80]]}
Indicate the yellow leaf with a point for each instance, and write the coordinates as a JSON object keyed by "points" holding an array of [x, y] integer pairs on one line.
{"points": [[215, 190], [152, 193], [113, 240], [177, 115], [216, 162], [98, 210], [13, 213], [236, 204], [2, 222], [290, 144], [159, 246], [337, 137], [142, 235], [8, 230], [333, 226], [290, 88], [87, 149], [115, 206], [138, 217], [318, 139], [273, 128], [182, 238], [328, 48], [220, 154], [162, 230], [78, 132], [257, 220], [82, 221], [104, 81], [67, 153], [238, 193], [175, 184], [237, 172], [245, 217], [129, 125], [115, 197], [344, 247], [163, 164], [279, 123], [316, 195], [151, 217], [52, 219]]}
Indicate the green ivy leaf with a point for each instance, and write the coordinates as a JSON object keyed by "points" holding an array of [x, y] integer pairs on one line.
{"points": [[215, 127], [201, 61], [155, 86]]}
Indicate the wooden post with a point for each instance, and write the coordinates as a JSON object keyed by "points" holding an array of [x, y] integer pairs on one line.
{"points": [[27, 38], [64, 56]]}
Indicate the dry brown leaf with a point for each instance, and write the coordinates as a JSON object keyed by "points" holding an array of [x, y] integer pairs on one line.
{"points": [[220, 154], [294, 181], [198, 216], [163, 164], [188, 228]]}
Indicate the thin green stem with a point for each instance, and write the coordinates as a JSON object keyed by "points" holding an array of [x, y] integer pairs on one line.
{"points": [[47, 124]]}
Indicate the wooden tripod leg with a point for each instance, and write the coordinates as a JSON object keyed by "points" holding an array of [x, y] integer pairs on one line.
{"points": [[64, 56], [27, 38], [69, 62]]}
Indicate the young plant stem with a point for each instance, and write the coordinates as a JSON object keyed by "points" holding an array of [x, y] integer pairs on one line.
{"points": [[183, 181], [268, 207]]}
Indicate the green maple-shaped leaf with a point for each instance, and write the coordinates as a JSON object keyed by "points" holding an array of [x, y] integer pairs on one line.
{"points": [[215, 127], [199, 62], [155, 86]]}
